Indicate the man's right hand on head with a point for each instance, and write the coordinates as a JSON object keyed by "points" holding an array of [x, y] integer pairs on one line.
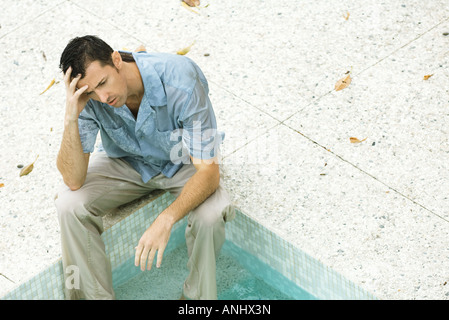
{"points": [[75, 99]]}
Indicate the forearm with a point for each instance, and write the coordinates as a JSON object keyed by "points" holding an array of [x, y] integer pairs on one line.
{"points": [[71, 160], [197, 189]]}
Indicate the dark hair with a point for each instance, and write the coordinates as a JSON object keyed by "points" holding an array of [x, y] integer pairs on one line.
{"points": [[81, 51]]}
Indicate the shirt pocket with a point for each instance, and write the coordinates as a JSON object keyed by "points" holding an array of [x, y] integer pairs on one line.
{"points": [[118, 142]]}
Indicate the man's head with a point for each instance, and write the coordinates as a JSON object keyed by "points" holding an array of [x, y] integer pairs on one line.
{"points": [[99, 66], [81, 51]]}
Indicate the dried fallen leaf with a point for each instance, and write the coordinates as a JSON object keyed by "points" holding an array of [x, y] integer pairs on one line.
{"points": [[185, 50], [355, 140], [2, 185], [426, 77], [185, 5], [343, 83], [192, 3], [140, 48], [346, 16], [49, 86], [26, 170]]}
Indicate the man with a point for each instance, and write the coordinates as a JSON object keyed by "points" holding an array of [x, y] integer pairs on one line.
{"points": [[158, 131]]}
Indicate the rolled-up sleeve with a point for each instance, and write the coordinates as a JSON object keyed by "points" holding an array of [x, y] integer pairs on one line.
{"points": [[88, 129], [200, 135]]}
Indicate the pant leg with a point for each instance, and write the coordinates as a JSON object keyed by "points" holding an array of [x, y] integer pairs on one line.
{"points": [[109, 184], [205, 235]]}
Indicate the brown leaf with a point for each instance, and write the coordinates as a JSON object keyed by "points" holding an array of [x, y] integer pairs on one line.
{"points": [[355, 140], [192, 3], [26, 170], [49, 86], [346, 16], [185, 50], [2, 185], [140, 48], [343, 83], [185, 5], [426, 77]]}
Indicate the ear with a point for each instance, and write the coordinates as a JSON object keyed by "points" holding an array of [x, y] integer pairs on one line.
{"points": [[117, 60]]}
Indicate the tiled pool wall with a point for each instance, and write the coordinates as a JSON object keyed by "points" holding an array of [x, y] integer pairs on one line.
{"points": [[300, 268], [120, 240]]}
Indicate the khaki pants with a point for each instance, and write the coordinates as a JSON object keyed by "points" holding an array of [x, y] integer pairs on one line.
{"points": [[113, 182]]}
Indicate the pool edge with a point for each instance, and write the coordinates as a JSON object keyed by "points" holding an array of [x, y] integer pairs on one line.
{"points": [[250, 235]]}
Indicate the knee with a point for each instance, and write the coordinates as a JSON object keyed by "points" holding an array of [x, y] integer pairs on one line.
{"points": [[209, 219], [212, 215], [68, 204]]}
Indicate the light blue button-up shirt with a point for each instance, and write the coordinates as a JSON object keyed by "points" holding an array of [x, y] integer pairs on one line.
{"points": [[175, 119]]}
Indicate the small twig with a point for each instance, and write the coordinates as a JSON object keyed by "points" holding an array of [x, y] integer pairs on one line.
{"points": [[1, 274]]}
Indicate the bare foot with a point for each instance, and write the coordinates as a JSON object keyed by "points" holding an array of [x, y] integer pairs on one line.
{"points": [[192, 3]]}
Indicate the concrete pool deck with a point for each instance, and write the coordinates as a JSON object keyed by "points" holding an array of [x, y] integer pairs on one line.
{"points": [[377, 212]]}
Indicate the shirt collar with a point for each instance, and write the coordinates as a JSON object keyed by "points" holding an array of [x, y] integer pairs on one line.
{"points": [[154, 92]]}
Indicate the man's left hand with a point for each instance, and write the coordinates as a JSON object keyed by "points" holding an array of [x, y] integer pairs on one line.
{"points": [[155, 238]]}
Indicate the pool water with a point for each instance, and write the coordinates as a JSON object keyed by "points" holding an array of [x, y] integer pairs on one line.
{"points": [[240, 276]]}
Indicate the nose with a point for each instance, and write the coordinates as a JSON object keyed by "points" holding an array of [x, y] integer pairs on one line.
{"points": [[104, 96]]}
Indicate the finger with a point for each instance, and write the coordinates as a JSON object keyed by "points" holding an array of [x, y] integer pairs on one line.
{"points": [[143, 259], [160, 253], [74, 82], [151, 258], [81, 90], [67, 75], [137, 256]]}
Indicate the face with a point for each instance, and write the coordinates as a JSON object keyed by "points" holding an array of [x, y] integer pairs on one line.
{"points": [[105, 84]]}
